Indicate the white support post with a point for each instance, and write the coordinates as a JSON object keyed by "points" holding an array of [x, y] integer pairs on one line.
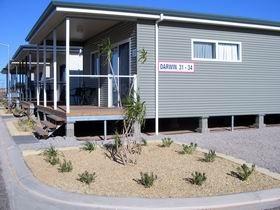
{"points": [[99, 88], [67, 65], [135, 87], [54, 72], [110, 91], [37, 77], [16, 79], [44, 73], [105, 130], [26, 80], [232, 123], [29, 74]]}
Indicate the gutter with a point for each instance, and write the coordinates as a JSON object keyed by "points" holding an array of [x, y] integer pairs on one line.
{"points": [[157, 105]]}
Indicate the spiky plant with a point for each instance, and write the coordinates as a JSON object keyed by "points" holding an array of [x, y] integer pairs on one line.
{"points": [[210, 156], [87, 177], [245, 171], [166, 142], [147, 179], [89, 146], [51, 155], [189, 149], [65, 166], [198, 178], [143, 56]]}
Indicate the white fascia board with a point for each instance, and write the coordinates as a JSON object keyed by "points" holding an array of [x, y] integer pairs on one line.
{"points": [[107, 12], [222, 23]]}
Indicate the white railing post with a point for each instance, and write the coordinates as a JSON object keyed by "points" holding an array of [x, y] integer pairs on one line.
{"points": [[54, 72], [37, 77], [44, 73], [110, 91], [67, 65]]}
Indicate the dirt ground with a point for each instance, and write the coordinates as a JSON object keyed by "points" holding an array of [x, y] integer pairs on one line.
{"points": [[14, 129], [172, 168]]}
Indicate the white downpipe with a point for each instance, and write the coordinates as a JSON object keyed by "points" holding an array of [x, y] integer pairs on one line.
{"points": [[67, 65], [26, 80], [44, 73], [54, 72], [37, 77], [99, 88], [157, 104]]}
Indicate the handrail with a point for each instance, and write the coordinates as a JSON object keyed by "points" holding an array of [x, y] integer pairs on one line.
{"points": [[103, 76]]}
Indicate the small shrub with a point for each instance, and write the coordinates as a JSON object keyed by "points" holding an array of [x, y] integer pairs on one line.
{"points": [[166, 142], [189, 149], [117, 140], [198, 178], [245, 171], [89, 146], [144, 142], [51, 155], [210, 156], [147, 179], [87, 177], [66, 166], [26, 124]]}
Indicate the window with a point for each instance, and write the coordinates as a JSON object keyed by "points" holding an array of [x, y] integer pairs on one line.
{"points": [[94, 63], [216, 50]]}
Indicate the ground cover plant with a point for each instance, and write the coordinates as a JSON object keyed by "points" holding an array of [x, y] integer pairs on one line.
{"points": [[147, 179], [189, 149], [166, 142], [51, 155], [245, 171], [198, 178], [210, 156], [65, 166], [89, 146], [87, 177]]}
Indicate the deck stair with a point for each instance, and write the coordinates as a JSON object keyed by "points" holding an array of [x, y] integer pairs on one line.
{"points": [[52, 122]]}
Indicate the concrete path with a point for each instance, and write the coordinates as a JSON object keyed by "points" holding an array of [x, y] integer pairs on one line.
{"points": [[27, 193], [259, 146], [4, 201]]}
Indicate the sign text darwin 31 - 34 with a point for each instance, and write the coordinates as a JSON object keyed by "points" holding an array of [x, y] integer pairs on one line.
{"points": [[183, 67]]}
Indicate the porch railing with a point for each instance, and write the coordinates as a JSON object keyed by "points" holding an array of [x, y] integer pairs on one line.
{"points": [[109, 89]]}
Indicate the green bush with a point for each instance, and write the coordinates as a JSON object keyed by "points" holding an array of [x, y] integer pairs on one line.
{"points": [[51, 155], [89, 146], [245, 171], [189, 149], [26, 124], [166, 142], [198, 178], [66, 166], [210, 156], [147, 179], [87, 177]]}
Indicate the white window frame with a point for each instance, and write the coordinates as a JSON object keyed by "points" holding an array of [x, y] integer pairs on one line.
{"points": [[216, 42]]}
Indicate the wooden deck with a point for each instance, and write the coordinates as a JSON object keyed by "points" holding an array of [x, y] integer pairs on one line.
{"points": [[83, 113]]}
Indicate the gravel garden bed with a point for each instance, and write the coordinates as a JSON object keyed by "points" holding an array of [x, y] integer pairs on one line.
{"points": [[172, 168]]}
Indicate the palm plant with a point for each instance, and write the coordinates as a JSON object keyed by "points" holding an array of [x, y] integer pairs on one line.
{"points": [[106, 50]]}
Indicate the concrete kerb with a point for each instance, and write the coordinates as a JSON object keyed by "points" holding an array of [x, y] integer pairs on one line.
{"points": [[30, 184]]}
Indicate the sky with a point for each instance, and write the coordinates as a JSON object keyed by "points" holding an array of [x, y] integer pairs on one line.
{"points": [[17, 17]]}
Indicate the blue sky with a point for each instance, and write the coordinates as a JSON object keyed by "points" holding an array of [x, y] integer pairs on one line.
{"points": [[18, 16]]}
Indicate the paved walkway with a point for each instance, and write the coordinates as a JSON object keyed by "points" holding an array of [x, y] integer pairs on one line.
{"points": [[259, 146], [4, 201]]}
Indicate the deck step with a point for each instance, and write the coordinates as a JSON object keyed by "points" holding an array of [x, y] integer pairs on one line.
{"points": [[56, 118], [41, 132], [48, 124]]}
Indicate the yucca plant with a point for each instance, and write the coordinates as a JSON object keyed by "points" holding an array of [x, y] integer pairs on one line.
{"points": [[143, 56], [66, 166], [147, 179], [198, 178], [210, 156], [87, 177], [189, 149], [89, 146], [245, 171], [166, 142]]}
